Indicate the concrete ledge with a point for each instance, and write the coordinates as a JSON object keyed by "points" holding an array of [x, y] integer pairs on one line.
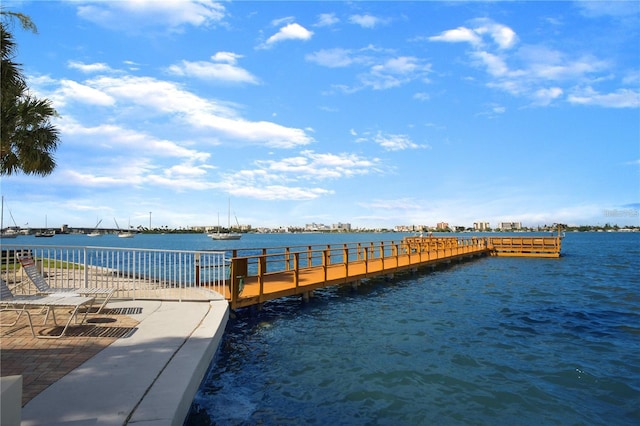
{"points": [[184, 372], [149, 377], [10, 400]]}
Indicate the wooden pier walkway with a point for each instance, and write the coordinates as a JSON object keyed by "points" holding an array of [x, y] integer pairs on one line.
{"points": [[290, 271]]}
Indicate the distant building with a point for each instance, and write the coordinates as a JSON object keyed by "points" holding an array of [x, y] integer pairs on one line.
{"points": [[342, 227], [407, 228], [442, 226], [481, 226], [510, 226], [316, 227]]}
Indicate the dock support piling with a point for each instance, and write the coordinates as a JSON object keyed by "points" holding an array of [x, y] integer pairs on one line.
{"points": [[306, 296]]}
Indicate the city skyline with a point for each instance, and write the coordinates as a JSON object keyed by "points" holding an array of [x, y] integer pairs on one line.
{"points": [[372, 113]]}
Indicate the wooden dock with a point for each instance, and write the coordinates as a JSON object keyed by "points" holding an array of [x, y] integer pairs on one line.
{"points": [[525, 246], [274, 273]]}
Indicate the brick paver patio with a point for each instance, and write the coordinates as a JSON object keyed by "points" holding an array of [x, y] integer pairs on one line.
{"points": [[41, 362]]}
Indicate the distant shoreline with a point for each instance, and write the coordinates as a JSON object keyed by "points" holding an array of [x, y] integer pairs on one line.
{"points": [[12, 231]]}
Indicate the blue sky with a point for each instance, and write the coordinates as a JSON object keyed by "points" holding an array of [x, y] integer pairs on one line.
{"points": [[371, 113]]}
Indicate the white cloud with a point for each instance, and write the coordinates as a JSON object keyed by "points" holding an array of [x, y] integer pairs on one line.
{"points": [[502, 35], [545, 96], [117, 138], [528, 71], [89, 68], [492, 110], [549, 64], [622, 98], [316, 166], [282, 21], [126, 172], [259, 132], [284, 179], [116, 178], [384, 71], [457, 35], [279, 192], [395, 72], [215, 71], [494, 64], [185, 170], [327, 20], [151, 94], [400, 65], [288, 32], [332, 58], [228, 57], [147, 97], [137, 15], [366, 21], [632, 77], [117, 156], [75, 92], [392, 142]]}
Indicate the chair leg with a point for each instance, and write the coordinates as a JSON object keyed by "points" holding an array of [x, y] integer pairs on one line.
{"points": [[19, 312], [53, 314], [73, 314], [86, 312], [33, 333], [104, 303], [64, 330]]}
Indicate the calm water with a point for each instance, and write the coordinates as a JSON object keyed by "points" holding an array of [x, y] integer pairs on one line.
{"points": [[490, 341]]}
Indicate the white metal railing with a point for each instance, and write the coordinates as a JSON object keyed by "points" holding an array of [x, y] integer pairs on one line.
{"points": [[134, 273]]}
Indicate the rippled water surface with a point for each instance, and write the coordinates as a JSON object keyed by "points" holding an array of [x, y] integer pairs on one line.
{"points": [[488, 341]]}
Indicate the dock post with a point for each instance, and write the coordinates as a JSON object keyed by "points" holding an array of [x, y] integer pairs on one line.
{"points": [[326, 261], [287, 259], [355, 284], [307, 295]]}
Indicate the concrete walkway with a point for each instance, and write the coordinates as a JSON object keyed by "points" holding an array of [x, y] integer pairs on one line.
{"points": [[148, 378]]}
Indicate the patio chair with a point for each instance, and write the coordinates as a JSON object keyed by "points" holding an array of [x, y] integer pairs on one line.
{"points": [[6, 304], [19, 304], [43, 287]]}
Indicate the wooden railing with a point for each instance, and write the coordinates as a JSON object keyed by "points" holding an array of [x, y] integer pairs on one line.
{"points": [[276, 273], [525, 246]]}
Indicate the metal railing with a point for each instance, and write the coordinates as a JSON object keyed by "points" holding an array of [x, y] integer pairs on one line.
{"points": [[134, 273]]}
